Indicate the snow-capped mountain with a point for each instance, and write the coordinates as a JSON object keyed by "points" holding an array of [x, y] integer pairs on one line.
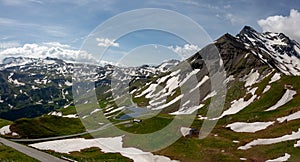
{"points": [[48, 81], [35, 82], [248, 58], [275, 49]]}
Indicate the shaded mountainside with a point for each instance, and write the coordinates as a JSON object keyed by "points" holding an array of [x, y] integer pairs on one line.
{"points": [[31, 87]]}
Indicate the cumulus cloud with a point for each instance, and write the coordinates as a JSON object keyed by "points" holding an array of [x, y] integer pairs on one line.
{"points": [[288, 25], [186, 51], [48, 50], [105, 42]]}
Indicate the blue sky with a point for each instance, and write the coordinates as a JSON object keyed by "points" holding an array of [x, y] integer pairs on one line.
{"points": [[69, 22]]}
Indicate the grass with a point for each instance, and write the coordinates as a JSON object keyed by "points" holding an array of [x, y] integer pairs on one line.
{"points": [[68, 110], [194, 150], [8, 154], [147, 126], [4, 122], [221, 148], [92, 155], [47, 126]]}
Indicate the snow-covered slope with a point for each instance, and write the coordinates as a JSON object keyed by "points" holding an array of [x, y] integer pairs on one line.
{"points": [[275, 49]]}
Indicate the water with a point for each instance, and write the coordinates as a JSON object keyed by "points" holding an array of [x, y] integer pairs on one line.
{"points": [[133, 112]]}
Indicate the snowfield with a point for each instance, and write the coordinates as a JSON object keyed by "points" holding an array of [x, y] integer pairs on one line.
{"points": [[275, 78], [107, 145], [238, 105], [148, 91], [290, 117], [288, 96], [249, 127], [268, 141], [252, 78], [210, 95], [204, 79], [280, 159], [169, 103], [6, 130]]}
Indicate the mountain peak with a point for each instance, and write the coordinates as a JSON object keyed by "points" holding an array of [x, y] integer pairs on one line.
{"points": [[247, 30], [275, 49]]}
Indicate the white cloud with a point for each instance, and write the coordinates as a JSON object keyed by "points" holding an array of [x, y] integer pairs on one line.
{"points": [[48, 50], [284, 24], [19, 2], [105, 42], [54, 30], [186, 51], [56, 44], [234, 19], [10, 44]]}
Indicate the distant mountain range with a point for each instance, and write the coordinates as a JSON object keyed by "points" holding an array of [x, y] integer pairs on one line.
{"points": [[32, 87]]}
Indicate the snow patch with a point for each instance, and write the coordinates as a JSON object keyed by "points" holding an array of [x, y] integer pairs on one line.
{"points": [[275, 78], [288, 96], [94, 111], [290, 117], [249, 127], [268, 141], [67, 83], [169, 103], [252, 78], [172, 84], [107, 145], [194, 72], [200, 117], [230, 78], [5, 130], [238, 105], [115, 110], [267, 88], [204, 79], [280, 159], [14, 81], [186, 111], [148, 91], [54, 113], [213, 93], [235, 141], [185, 131]]}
